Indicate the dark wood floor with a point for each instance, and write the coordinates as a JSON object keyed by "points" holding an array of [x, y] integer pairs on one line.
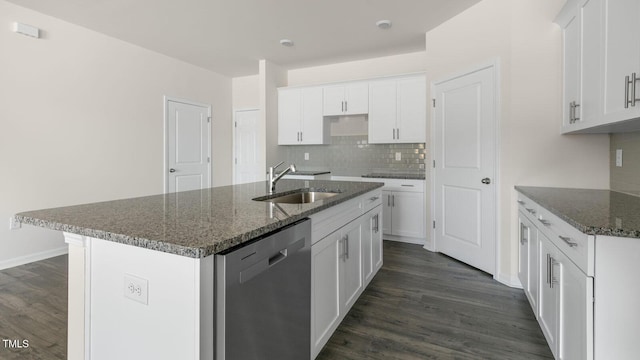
{"points": [[420, 305], [423, 305], [33, 307]]}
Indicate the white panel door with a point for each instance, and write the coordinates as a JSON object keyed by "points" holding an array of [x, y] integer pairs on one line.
{"points": [[289, 113], [312, 122], [412, 110], [325, 290], [356, 98], [382, 112], [333, 100], [407, 215], [351, 266], [464, 154], [246, 160], [188, 146]]}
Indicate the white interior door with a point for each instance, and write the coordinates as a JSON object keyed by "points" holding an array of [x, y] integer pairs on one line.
{"points": [[188, 146], [464, 174], [246, 162]]}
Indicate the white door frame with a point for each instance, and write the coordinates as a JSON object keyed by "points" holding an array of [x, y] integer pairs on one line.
{"points": [[165, 167], [233, 140], [495, 64]]}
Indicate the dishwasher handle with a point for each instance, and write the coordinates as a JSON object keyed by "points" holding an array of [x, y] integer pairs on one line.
{"points": [[263, 265], [278, 257]]}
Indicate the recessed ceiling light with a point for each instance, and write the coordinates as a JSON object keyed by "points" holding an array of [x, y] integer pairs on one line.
{"points": [[384, 24], [286, 42]]}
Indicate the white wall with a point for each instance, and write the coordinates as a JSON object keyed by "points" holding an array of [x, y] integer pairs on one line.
{"points": [[271, 78], [360, 69], [245, 92], [532, 151], [82, 121]]}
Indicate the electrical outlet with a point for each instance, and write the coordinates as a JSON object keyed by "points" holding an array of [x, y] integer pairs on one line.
{"points": [[306, 156], [398, 156], [619, 157], [13, 224], [136, 289], [618, 223]]}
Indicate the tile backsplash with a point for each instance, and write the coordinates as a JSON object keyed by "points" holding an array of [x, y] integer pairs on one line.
{"points": [[626, 178], [354, 156]]}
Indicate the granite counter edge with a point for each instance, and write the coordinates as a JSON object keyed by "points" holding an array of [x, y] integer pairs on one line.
{"points": [[181, 250], [585, 229]]}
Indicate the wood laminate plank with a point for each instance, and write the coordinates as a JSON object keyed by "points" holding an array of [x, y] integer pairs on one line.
{"points": [[424, 305], [420, 305]]}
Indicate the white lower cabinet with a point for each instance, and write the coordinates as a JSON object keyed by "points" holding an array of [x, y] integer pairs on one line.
{"points": [[371, 244], [528, 267], [560, 292], [342, 263]]}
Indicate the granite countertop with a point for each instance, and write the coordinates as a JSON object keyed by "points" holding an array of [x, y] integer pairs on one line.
{"points": [[195, 223], [310, 172], [593, 212], [405, 176]]}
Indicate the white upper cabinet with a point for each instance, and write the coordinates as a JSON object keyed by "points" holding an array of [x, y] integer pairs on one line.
{"points": [[346, 99], [300, 120], [621, 59], [397, 110], [581, 24], [601, 64]]}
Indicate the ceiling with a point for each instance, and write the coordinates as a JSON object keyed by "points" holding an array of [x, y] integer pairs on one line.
{"points": [[230, 36]]}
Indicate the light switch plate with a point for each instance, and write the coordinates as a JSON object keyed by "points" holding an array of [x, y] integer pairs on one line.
{"points": [[398, 156], [306, 156], [619, 157], [136, 288]]}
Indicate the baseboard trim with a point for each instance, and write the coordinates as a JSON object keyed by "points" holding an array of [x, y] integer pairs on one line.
{"points": [[404, 239], [509, 280], [21, 260]]}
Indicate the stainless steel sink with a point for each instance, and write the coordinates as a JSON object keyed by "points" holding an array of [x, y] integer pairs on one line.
{"points": [[299, 197]]}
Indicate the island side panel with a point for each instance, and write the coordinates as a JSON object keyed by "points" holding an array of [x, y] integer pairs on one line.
{"points": [[166, 327], [76, 314]]}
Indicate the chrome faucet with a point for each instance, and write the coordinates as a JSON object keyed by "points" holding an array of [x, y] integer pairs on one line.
{"points": [[273, 177]]}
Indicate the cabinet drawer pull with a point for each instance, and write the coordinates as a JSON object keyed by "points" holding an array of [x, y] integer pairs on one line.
{"points": [[567, 240], [531, 211], [374, 198], [521, 202], [407, 185], [544, 222]]}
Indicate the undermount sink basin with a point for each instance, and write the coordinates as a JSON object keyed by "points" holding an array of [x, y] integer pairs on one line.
{"points": [[299, 197]]}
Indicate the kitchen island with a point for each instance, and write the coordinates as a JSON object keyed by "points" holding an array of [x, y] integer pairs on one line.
{"points": [[141, 271]]}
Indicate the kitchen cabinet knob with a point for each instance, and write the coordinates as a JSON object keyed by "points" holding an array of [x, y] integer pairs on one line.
{"points": [[172, 170], [486, 181]]}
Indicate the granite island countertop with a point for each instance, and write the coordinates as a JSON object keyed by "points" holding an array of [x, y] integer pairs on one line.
{"points": [[593, 212], [195, 223]]}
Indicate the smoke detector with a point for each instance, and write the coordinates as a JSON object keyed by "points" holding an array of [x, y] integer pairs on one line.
{"points": [[286, 42], [383, 24]]}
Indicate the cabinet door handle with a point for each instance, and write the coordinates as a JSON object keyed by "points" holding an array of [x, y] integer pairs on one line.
{"points": [[523, 231], [300, 136], [575, 105], [567, 240], [630, 83], [393, 201], [544, 222], [346, 246], [633, 89], [551, 277], [346, 106], [398, 133], [388, 200], [531, 211], [571, 112], [548, 269]]}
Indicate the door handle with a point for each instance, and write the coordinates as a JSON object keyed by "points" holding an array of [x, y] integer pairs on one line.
{"points": [[172, 170], [486, 181]]}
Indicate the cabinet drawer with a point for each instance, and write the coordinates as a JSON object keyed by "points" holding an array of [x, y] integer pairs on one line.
{"points": [[576, 245], [528, 208], [371, 200]]}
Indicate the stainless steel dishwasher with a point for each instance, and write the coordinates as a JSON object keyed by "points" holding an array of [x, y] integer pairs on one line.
{"points": [[263, 297]]}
